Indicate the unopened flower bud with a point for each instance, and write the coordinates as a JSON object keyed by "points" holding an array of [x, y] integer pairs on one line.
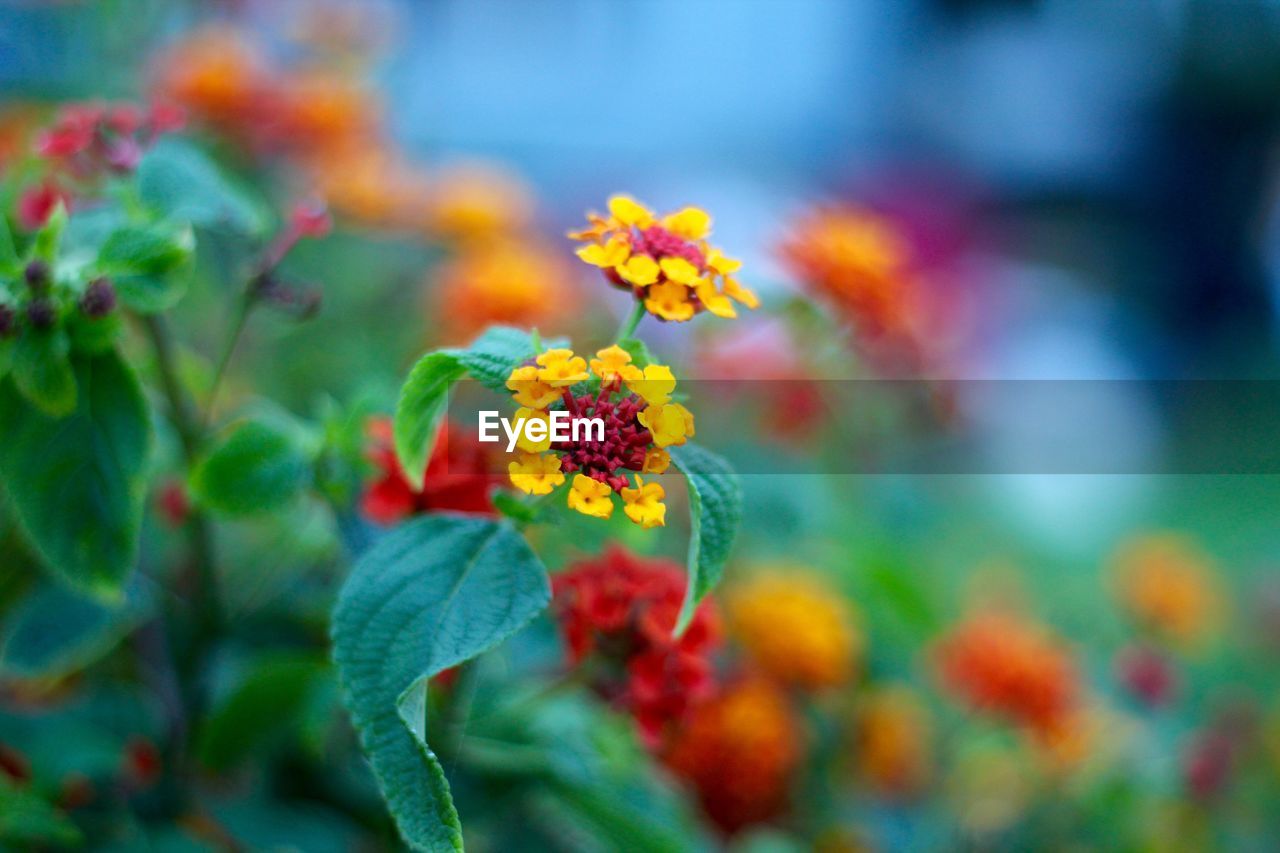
{"points": [[41, 313], [37, 275], [99, 299]]}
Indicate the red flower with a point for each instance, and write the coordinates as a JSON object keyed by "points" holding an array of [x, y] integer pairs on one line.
{"points": [[621, 610], [457, 477]]}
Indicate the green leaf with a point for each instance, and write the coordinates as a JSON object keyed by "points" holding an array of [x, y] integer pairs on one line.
{"points": [[154, 250], [42, 370], [715, 508], [10, 264], [28, 821], [638, 351], [45, 243], [423, 399], [178, 181], [76, 484], [261, 465], [267, 704], [146, 265], [429, 595], [424, 395], [6, 356], [492, 356], [93, 334], [151, 294], [54, 631]]}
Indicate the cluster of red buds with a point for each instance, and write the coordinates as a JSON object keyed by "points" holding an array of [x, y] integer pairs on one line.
{"points": [[617, 613]]}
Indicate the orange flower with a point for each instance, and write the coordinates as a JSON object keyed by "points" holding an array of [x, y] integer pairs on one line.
{"points": [[796, 628], [666, 262], [509, 281], [739, 751], [319, 109], [1169, 586], [1001, 663], [477, 201], [861, 264], [220, 78], [893, 732], [371, 184], [856, 259]]}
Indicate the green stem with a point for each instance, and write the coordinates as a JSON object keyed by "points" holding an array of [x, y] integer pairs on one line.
{"points": [[199, 531], [244, 307], [628, 327]]}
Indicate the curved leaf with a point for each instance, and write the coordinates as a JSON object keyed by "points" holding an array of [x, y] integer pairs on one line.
{"points": [[76, 484], [260, 466], [715, 508], [177, 180], [423, 399], [54, 631], [431, 594], [424, 395]]}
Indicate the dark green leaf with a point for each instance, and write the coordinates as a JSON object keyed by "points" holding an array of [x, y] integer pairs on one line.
{"points": [[76, 484], [42, 370], [93, 335], [715, 507], [180, 182], [28, 821], [268, 703], [10, 264], [261, 465], [54, 631], [6, 356], [431, 594]]}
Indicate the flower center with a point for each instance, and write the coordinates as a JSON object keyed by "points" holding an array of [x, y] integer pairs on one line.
{"points": [[625, 440], [657, 242]]}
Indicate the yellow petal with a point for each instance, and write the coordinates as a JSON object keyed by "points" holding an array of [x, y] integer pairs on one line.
{"points": [[640, 270], [679, 270], [691, 223], [629, 212], [715, 301], [722, 264], [736, 291]]}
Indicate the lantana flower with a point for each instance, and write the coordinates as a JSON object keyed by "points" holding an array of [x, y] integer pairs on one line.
{"points": [[1008, 665], [665, 261], [893, 736], [739, 751], [510, 281], [619, 611], [457, 476], [1169, 587], [796, 627], [641, 419]]}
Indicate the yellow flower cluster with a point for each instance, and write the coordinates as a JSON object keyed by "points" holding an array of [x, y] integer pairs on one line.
{"points": [[665, 262], [639, 416], [1170, 587], [796, 628]]}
